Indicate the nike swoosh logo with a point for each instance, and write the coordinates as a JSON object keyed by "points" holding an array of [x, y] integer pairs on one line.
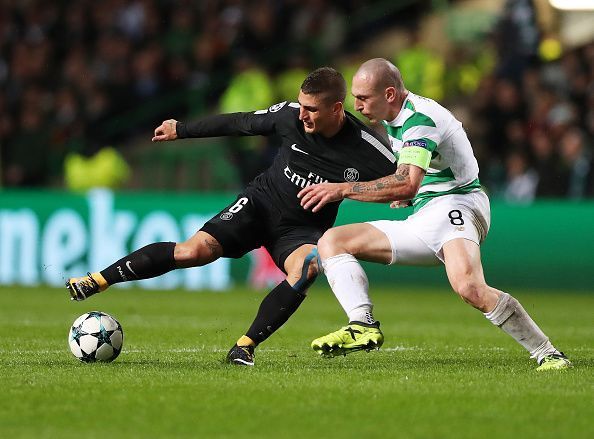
{"points": [[129, 267], [294, 148]]}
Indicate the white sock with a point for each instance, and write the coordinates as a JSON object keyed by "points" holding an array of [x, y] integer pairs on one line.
{"points": [[350, 286], [511, 316]]}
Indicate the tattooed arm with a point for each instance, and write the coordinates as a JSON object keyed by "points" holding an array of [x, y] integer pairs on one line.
{"points": [[403, 185]]}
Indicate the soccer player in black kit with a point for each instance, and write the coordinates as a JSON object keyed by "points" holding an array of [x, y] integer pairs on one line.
{"points": [[321, 142]]}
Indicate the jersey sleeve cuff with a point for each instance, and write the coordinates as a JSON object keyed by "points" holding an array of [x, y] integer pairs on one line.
{"points": [[415, 155], [180, 130]]}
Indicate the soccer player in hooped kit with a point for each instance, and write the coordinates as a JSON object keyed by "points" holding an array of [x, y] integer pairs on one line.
{"points": [[320, 142], [437, 174]]}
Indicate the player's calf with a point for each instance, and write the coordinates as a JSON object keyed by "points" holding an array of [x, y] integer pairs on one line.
{"points": [[512, 318], [277, 307]]}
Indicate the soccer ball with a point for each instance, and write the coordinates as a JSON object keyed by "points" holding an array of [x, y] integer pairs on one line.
{"points": [[96, 336]]}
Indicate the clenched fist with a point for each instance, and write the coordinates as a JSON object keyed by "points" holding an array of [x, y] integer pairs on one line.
{"points": [[166, 131]]}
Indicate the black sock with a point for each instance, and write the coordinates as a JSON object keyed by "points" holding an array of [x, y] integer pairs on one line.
{"points": [[274, 311], [150, 261]]}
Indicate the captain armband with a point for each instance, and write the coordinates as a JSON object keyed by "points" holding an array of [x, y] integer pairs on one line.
{"points": [[415, 155]]}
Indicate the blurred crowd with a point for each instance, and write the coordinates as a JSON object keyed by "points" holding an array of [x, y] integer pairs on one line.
{"points": [[534, 114], [77, 76], [535, 132], [71, 71]]}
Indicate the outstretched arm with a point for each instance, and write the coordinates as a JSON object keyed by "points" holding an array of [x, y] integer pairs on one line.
{"points": [[403, 185], [260, 122]]}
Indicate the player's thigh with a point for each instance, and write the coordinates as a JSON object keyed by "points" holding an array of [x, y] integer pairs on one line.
{"points": [[462, 259], [290, 246], [406, 246], [362, 240], [239, 227], [465, 273], [449, 217]]}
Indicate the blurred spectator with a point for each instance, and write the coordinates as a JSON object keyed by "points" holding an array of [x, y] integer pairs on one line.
{"points": [[26, 157], [319, 26], [290, 79], [521, 179], [250, 89], [501, 110], [577, 160], [422, 70], [516, 39], [106, 169], [547, 166]]}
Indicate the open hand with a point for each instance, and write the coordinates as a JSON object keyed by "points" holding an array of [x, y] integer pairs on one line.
{"points": [[316, 196], [166, 131]]}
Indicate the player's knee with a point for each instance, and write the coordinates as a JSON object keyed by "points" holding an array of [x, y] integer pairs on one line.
{"points": [[189, 254], [472, 292], [329, 244], [307, 273], [185, 253]]}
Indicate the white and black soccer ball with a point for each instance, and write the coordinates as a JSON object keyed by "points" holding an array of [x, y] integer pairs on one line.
{"points": [[96, 336]]}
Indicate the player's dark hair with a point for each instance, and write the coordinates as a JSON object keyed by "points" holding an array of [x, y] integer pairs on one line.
{"points": [[327, 82]]}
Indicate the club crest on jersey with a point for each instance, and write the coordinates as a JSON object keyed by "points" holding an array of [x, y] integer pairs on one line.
{"points": [[274, 108], [351, 174]]}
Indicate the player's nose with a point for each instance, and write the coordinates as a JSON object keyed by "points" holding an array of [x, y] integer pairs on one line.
{"points": [[302, 114]]}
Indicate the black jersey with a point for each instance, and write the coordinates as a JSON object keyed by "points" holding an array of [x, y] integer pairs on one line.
{"points": [[354, 153]]}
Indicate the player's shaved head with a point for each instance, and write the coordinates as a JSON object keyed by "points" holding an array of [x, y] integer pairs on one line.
{"points": [[380, 74], [327, 83]]}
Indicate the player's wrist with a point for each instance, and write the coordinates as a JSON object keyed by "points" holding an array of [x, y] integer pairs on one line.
{"points": [[346, 190]]}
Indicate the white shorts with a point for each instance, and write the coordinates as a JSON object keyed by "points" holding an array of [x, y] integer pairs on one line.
{"points": [[419, 239]]}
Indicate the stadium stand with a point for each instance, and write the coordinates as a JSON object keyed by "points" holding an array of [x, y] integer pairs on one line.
{"points": [[76, 77]]}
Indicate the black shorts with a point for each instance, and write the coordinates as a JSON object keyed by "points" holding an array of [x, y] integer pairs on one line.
{"points": [[252, 221]]}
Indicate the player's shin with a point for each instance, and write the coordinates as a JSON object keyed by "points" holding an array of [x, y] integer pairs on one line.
{"points": [[150, 261], [274, 311], [511, 316], [350, 286]]}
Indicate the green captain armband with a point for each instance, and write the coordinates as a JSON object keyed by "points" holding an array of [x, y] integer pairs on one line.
{"points": [[415, 155]]}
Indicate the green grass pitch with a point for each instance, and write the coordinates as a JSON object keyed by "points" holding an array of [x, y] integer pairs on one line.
{"points": [[444, 371]]}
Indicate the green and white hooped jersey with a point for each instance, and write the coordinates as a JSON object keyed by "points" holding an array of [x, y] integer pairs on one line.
{"points": [[427, 135]]}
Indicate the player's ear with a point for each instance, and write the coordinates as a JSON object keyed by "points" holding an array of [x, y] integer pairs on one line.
{"points": [[390, 94], [337, 107]]}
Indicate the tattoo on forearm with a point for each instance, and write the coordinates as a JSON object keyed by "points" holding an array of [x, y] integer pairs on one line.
{"points": [[403, 170], [212, 246], [397, 179], [402, 173], [378, 185]]}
